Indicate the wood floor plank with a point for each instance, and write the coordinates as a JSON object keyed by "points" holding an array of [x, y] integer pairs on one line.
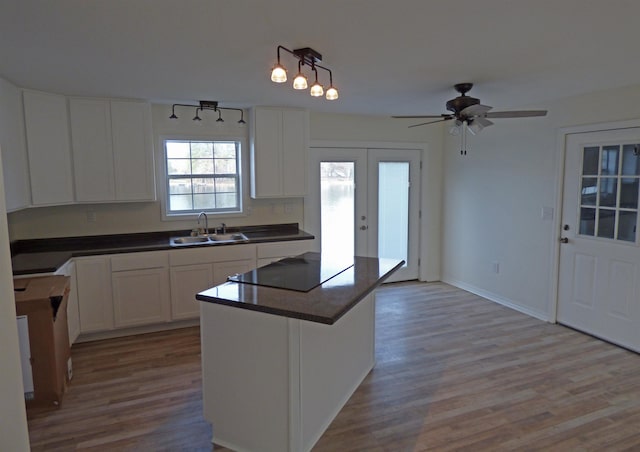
{"points": [[453, 372]]}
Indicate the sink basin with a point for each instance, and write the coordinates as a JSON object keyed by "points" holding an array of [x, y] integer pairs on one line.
{"points": [[233, 237], [208, 240], [189, 240]]}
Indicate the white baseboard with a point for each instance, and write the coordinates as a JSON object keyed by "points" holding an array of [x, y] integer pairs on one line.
{"points": [[498, 299], [111, 334]]}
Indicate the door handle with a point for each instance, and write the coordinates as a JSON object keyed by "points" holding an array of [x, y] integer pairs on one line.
{"points": [[363, 228], [564, 240]]}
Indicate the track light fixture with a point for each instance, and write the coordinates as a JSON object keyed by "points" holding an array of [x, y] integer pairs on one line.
{"points": [[305, 56], [207, 105]]}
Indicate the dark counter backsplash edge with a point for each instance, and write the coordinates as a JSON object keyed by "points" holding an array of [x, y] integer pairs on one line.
{"points": [[132, 239]]}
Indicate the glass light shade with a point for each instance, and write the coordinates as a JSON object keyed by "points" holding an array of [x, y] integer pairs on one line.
{"points": [[332, 93], [300, 82], [316, 90], [278, 74]]}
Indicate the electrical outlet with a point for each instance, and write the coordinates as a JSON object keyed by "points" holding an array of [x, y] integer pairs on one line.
{"points": [[91, 216], [495, 266], [288, 207]]}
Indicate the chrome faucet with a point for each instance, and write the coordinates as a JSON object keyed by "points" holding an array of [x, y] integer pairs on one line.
{"points": [[206, 222]]}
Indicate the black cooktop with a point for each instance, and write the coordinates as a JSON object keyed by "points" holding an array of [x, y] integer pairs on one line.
{"points": [[300, 273]]}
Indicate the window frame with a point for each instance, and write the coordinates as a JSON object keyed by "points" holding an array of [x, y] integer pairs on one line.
{"points": [[163, 186]]}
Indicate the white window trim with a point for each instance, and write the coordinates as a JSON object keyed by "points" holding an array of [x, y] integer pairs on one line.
{"points": [[162, 175]]}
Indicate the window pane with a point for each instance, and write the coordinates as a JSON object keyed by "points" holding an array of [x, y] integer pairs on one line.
{"points": [[225, 150], [203, 185], [201, 150], [180, 202], [393, 210], [226, 185], [179, 186], [204, 201], [630, 160], [178, 166], [587, 221], [202, 166], [610, 160], [337, 196], [629, 193], [627, 226], [225, 200], [590, 160], [606, 223], [589, 191], [608, 191], [178, 150], [225, 166]]}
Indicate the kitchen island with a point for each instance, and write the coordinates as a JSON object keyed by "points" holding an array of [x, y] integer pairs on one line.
{"points": [[279, 364]]}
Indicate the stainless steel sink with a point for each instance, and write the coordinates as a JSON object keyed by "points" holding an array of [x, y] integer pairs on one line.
{"points": [[209, 239]]}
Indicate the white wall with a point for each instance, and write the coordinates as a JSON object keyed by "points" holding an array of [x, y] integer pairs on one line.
{"points": [[13, 417], [494, 195]]}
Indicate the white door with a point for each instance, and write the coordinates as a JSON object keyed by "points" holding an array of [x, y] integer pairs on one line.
{"points": [[365, 202], [599, 273]]}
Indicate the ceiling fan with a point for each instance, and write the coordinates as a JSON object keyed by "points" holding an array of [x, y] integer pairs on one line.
{"points": [[469, 113]]}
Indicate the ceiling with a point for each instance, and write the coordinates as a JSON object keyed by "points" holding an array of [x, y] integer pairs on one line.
{"points": [[387, 57]]}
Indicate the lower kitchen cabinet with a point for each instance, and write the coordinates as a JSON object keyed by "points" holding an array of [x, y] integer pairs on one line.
{"points": [[73, 313], [94, 293], [186, 282], [271, 252], [140, 283], [221, 270]]}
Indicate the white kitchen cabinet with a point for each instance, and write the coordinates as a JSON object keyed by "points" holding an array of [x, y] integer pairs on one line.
{"points": [[92, 150], [48, 148], [279, 148], [186, 282], [112, 150], [196, 269], [95, 302], [73, 312], [14, 149], [141, 288]]}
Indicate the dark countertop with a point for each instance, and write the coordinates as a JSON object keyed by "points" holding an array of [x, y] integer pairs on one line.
{"points": [[48, 255], [323, 304]]}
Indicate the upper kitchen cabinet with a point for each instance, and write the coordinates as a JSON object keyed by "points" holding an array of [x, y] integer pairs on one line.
{"points": [[13, 148], [48, 148], [279, 147], [112, 150]]}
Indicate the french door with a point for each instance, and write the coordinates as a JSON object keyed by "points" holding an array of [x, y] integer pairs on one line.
{"points": [[365, 202], [599, 270]]}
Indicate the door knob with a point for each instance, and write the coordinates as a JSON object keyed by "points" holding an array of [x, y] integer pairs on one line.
{"points": [[363, 228], [564, 240]]}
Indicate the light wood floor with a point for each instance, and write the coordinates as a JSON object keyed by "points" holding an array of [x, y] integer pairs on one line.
{"points": [[453, 372]]}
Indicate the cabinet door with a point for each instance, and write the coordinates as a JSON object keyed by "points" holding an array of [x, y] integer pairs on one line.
{"points": [[95, 303], [92, 149], [14, 148], [266, 153], [295, 126], [73, 313], [48, 148], [186, 282], [132, 151], [140, 297], [221, 270]]}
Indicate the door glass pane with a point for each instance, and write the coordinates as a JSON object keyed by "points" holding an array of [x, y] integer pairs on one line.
{"points": [[608, 191], [630, 160], [337, 204], [587, 221], [589, 191], [393, 210], [590, 160], [610, 160], [629, 193], [606, 223], [627, 226]]}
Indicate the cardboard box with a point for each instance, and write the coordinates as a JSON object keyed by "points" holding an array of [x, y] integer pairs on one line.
{"points": [[44, 301]]}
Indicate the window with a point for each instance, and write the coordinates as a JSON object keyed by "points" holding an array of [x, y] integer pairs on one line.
{"points": [[202, 176]]}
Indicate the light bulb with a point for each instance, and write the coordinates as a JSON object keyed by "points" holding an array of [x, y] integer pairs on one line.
{"points": [[316, 90], [278, 74], [300, 82], [332, 93]]}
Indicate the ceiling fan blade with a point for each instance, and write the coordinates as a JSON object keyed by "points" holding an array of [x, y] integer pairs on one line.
{"points": [[431, 122], [516, 114], [475, 110], [476, 125], [443, 115]]}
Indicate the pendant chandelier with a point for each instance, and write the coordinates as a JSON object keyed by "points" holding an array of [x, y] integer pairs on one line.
{"points": [[207, 105], [306, 56]]}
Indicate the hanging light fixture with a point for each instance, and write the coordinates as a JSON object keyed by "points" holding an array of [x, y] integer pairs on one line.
{"points": [[310, 57], [207, 105]]}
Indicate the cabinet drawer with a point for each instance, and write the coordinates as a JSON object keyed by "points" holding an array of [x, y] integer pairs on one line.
{"points": [[138, 261], [212, 253], [280, 249]]}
